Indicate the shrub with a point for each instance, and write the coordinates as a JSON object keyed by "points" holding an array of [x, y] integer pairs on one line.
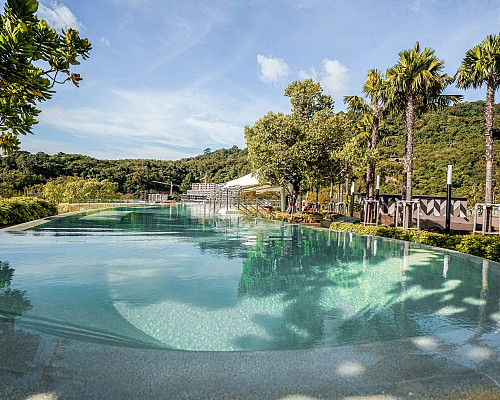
{"points": [[493, 250], [472, 244], [478, 245], [17, 210], [305, 217]]}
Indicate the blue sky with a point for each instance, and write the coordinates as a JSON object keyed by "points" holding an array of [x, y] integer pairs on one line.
{"points": [[167, 79]]}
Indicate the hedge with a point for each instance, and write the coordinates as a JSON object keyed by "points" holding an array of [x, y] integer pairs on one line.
{"points": [[17, 210], [475, 244], [305, 217]]}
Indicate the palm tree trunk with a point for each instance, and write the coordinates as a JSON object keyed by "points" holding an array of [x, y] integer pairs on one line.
{"points": [[370, 176], [488, 196], [370, 165], [408, 168]]}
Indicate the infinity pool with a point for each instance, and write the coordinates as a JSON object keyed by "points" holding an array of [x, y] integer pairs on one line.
{"points": [[179, 278]]}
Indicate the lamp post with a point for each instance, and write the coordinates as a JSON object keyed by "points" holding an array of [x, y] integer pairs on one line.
{"points": [[448, 199], [352, 200]]}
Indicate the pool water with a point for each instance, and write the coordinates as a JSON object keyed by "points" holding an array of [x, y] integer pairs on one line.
{"points": [[180, 278]]}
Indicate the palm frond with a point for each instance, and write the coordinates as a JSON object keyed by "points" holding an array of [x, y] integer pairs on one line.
{"points": [[480, 64]]}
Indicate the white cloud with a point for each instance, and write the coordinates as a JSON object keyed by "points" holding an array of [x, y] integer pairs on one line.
{"points": [[222, 132], [311, 74], [272, 70], [168, 124], [335, 78], [58, 16], [106, 41], [415, 6]]}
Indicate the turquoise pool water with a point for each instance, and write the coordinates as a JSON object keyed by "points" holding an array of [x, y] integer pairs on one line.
{"points": [[177, 277]]}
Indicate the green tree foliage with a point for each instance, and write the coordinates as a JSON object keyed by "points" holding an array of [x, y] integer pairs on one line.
{"points": [[374, 88], [275, 145], [298, 149], [481, 66], [415, 85], [33, 59], [453, 136], [22, 170], [307, 99], [75, 189], [327, 134]]}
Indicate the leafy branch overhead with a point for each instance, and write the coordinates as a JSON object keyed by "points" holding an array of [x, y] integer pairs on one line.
{"points": [[33, 59]]}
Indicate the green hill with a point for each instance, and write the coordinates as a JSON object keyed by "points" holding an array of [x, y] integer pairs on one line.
{"points": [[22, 170], [453, 136]]}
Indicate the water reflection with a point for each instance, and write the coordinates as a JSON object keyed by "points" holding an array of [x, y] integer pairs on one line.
{"points": [[338, 290], [193, 280], [13, 302]]}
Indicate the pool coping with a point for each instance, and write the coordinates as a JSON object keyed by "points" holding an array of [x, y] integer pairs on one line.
{"points": [[49, 367]]}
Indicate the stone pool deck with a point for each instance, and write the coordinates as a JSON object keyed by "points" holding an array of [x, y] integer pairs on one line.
{"points": [[38, 366]]}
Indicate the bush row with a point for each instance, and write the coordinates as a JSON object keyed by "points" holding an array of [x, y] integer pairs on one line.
{"points": [[475, 244], [17, 210], [305, 217]]}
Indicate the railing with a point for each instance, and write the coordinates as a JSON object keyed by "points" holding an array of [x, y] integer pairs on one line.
{"points": [[222, 199], [95, 205], [255, 207], [486, 211]]}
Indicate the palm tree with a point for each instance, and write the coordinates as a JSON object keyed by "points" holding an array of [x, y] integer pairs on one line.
{"points": [[415, 85], [374, 91], [481, 65]]}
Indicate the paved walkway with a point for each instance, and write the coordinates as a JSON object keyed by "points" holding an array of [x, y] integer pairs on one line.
{"points": [[36, 366]]}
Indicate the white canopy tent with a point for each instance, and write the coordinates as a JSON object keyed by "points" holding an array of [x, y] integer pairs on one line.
{"points": [[250, 182]]}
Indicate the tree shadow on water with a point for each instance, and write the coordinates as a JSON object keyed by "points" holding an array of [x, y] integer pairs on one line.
{"points": [[335, 289], [13, 302], [296, 271]]}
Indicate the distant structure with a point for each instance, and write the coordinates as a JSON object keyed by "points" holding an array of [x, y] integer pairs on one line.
{"points": [[154, 196], [202, 192]]}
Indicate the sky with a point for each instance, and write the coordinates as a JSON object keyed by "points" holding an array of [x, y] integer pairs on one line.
{"points": [[167, 79]]}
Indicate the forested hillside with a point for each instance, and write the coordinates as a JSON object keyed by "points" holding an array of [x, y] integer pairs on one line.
{"points": [[454, 136], [23, 170], [451, 136]]}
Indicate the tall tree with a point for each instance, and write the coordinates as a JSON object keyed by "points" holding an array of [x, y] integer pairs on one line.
{"points": [[480, 66], [415, 85], [312, 112], [374, 89], [33, 57], [275, 150], [293, 149]]}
